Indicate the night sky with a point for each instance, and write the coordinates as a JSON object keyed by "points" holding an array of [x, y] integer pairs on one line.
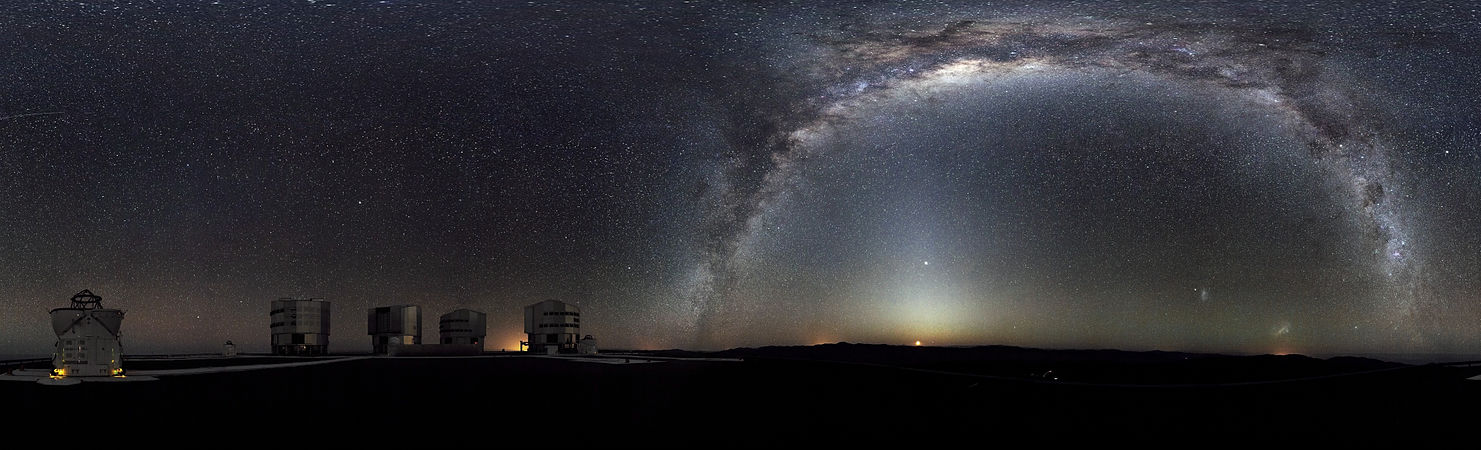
{"points": [[1244, 177]]}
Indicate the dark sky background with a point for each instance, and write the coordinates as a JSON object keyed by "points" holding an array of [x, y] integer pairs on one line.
{"points": [[1247, 177]]}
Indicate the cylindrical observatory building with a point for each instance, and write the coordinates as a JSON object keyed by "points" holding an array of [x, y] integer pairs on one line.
{"points": [[300, 326], [553, 327], [463, 327]]}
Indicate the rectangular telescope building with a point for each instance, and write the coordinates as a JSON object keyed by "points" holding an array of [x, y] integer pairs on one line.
{"points": [[300, 326], [553, 327], [394, 325]]}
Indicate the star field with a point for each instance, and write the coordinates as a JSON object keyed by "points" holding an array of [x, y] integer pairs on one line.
{"points": [[1259, 178]]}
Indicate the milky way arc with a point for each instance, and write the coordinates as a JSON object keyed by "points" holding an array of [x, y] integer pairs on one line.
{"points": [[1286, 70]]}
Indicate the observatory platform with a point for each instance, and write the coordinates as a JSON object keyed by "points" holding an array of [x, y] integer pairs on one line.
{"points": [[787, 396]]}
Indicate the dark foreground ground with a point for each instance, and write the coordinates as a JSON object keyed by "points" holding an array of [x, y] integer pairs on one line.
{"points": [[839, 395]]}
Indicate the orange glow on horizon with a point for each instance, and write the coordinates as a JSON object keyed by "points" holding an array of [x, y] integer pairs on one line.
{"points": [[1283, 351]]}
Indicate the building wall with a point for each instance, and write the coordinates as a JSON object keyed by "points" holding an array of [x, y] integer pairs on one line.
{"points": [[84, 351], [435, 350]]}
